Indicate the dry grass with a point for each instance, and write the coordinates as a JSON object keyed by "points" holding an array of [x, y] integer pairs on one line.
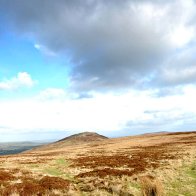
{"points": [[151, 186], [148, 165]]}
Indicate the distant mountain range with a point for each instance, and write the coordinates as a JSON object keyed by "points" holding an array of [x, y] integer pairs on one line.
{"points": [[7, 148]]}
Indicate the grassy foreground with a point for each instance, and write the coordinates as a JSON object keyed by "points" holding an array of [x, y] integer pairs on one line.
{"points": [[162, 164]]}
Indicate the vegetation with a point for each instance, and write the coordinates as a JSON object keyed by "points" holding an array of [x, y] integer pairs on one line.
{"points": [[162, 164], [184, 181]]}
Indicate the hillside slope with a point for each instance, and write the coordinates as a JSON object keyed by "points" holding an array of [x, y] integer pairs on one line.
{"points": [[161, 163], [76, 139]]}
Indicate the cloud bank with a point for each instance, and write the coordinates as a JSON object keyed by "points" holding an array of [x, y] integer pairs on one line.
{"points": [[131, 66], [113, 45], [130, 113]]}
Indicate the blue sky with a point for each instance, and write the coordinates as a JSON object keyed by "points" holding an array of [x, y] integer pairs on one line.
{"points": [[117, 68], [19, 54]]}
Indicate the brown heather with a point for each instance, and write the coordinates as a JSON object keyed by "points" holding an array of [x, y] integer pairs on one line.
{"points": [[149, 165]]}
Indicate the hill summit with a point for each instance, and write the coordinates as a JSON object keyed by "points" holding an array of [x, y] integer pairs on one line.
{"points": [[84, 137], [76, 139]]}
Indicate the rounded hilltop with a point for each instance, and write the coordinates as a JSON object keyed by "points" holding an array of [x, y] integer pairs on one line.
{"points": [[72, 140], [84, 137]]}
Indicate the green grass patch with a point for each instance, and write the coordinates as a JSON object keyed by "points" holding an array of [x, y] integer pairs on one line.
{"points": [[53, 171], [134, 185], [185, 181], [58, 168], [58, 173], [61, 162], [191, 171]]}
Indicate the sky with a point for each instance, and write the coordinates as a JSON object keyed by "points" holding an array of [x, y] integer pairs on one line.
{"points": [[114, 67]]}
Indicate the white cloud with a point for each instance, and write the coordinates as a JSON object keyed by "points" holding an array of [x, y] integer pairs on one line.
{"points": [[109, 45], [181, 29], [134, 111], [44, 50], [52, 93], [112, 47], [182, 35], [179, 75], [22, 79]]}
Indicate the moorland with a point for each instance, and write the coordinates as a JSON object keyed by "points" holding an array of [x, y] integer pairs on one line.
{"points": [[90, 164]]}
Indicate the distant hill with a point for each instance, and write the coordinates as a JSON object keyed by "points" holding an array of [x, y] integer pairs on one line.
{"points": [[7, 148], [155, 133], [76, 139], [84, 137]]}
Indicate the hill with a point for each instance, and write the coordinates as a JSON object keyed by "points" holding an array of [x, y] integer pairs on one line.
{"points": [[154, 164], [84, 137], [76, 139]]}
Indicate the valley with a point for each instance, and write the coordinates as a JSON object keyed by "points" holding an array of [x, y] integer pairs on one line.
{"points": [[7, 148]]}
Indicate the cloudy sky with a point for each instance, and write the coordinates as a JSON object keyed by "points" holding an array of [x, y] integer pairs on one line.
{"points": [[115, 67]]}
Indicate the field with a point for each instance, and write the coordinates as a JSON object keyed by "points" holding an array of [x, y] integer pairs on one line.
{"points": [[151, 164]]}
